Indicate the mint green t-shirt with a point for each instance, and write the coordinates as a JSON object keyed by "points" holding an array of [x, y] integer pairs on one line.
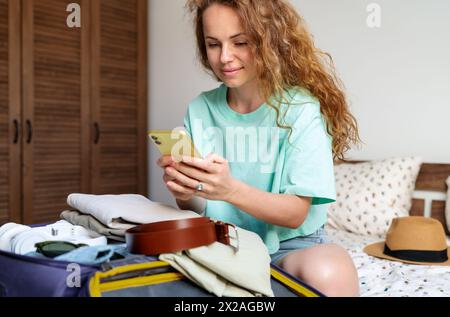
{"points": [[260, 155]]}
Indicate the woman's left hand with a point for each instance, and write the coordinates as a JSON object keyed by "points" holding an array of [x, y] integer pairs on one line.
{"points": [[213, 173]]}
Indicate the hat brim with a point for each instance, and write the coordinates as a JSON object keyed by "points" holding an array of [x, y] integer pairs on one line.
{"points": [[376, 249]]}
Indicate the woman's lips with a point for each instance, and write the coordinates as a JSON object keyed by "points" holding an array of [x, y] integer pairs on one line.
{"points": [[231, 72]]}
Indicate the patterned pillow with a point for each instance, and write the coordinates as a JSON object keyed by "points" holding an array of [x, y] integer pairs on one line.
{"points": [[447, 204], [369, 195]]}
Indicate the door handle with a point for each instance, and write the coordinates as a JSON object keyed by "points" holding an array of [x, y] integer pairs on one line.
{"points": [[30, 131], [97, 133], [16, 131]]}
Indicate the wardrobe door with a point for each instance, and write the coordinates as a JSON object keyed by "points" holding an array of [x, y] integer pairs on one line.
{"points": [[119, 104], [56, 107], [9, 111]]}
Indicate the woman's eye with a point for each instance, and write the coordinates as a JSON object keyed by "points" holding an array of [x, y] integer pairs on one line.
{"points": [[212, 45], [241, 43]]}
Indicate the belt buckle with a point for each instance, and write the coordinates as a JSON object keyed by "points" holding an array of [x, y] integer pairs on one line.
{"points": [[233, 240]]}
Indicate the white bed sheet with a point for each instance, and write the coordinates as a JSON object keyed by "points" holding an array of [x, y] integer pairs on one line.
{"points": [[383, 278]]}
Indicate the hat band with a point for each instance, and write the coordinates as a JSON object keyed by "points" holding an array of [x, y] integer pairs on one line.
{"points": [[418, 255]]}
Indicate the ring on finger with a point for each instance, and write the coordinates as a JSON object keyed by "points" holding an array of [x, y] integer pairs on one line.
{"points": [[199, 187]]}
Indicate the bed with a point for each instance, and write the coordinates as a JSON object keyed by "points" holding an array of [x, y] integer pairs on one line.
{"points": [[382, 278]]}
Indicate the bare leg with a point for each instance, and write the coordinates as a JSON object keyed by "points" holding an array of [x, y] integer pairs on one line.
{"points": [[326, 267]]}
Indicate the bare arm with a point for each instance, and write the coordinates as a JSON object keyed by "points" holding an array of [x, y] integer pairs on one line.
{"points": [[278, 209]]}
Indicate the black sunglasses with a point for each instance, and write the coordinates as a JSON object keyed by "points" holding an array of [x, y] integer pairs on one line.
{"points": [[53, 249]]}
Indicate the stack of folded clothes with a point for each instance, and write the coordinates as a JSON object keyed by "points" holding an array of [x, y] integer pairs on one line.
{"points": [[112, 215], [82, 236], [226, 272]]}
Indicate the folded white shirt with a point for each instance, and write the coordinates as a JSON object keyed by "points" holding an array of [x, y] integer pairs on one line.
{"points": [[126, 210], [21, 239], [7, 232]]}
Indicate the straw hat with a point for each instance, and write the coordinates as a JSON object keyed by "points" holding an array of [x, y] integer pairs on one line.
{"points": [[415, 240]]}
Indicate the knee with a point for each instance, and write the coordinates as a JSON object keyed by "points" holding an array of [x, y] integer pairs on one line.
{"points": [[336, 274], [327, 268], [338, 282]]}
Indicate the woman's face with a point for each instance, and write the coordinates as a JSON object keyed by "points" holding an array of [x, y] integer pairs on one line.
{"points": [[228, 47]]}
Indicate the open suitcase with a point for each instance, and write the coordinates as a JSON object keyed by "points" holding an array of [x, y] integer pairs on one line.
{"points": [[133, 276]]}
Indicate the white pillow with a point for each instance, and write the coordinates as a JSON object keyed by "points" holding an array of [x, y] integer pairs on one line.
{"points": [[447, 204], [369, 195]]}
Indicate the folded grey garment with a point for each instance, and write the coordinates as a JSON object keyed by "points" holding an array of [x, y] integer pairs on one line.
{"points": [[91, 223]]}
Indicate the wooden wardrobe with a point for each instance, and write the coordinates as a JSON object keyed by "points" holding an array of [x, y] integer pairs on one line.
{"points": [[73, 104]]}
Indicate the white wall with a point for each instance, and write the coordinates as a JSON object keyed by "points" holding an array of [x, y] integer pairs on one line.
{"points": [[175, 77], [397, 77]]}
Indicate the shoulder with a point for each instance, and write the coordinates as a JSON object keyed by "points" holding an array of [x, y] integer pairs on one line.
{"points": [[302, 96], [301, 107]]}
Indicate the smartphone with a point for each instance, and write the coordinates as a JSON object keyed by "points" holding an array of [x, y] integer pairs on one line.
{"points": [[176, 143]]}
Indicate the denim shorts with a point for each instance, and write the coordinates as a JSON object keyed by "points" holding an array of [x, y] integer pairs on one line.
{"points": [[299, 243]]}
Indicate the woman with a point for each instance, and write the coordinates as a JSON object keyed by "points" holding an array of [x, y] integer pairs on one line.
{"points": [[277, 92]]}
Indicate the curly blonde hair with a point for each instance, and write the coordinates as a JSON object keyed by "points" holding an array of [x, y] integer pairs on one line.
{"points": [[286, 57]]}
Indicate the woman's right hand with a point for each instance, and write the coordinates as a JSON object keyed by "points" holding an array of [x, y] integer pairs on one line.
{"points": [[178, 191]]}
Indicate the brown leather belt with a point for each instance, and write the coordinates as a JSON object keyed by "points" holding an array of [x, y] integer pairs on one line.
{"points": [[178, 235]]}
